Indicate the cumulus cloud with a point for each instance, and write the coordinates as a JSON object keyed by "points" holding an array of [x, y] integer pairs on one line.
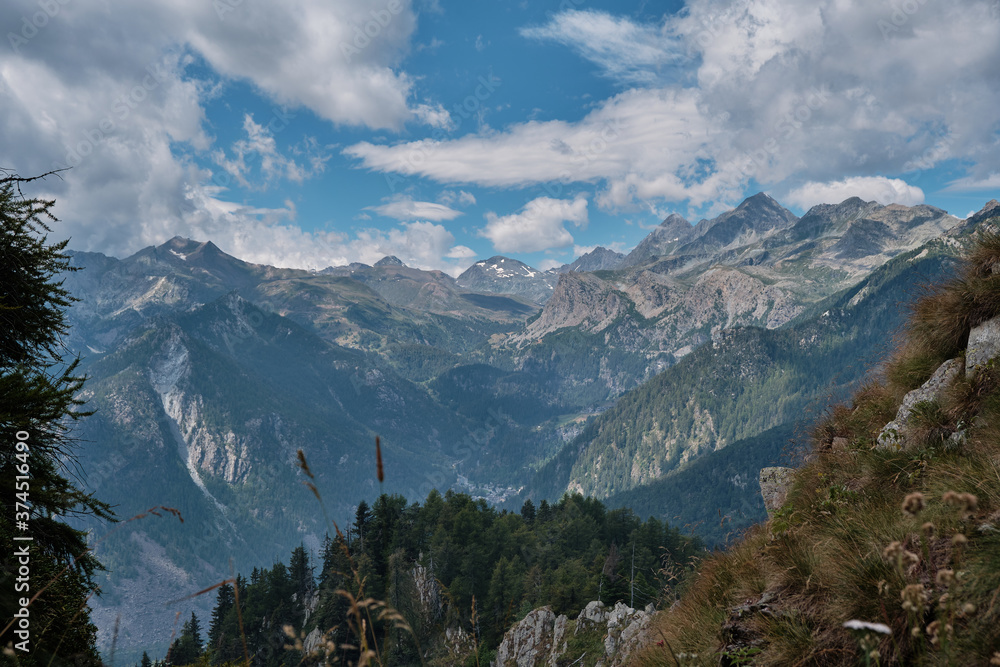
{"points": [[780, 92], [625, 51], [537, 226], [403, 207], [269, 236], [261, 147], [128, 116], [878, 188]]}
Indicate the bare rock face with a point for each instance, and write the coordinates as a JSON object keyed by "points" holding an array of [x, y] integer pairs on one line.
{"points": [[558, 640], [890, 437], [531, 641], [774, 485], [458, 643], [626, 631], [429, 592], [593, 615], [984, 344], [541, 638], [312, 641]]}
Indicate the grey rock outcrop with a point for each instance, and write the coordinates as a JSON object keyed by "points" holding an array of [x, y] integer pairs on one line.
{"points": [[984, 345], [541, 638], [626, 631], [532, 640], [890, 437], [774, 485], [594, 614]]}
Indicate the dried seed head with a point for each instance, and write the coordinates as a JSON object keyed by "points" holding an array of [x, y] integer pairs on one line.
{"points": [[965, 503], [893, 551], [914, 597], [959, 540], [932, 630], [913, 503], [945, 577], [928, 529], [910, 559], [968, 608]]}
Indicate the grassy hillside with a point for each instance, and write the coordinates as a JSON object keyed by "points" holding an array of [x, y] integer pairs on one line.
{"points": [[902, 543]]}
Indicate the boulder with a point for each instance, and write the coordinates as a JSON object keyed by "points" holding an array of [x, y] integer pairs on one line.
{"points": [[774, 485], [984, 345], [594, 614], [890, 437], [626, 631], [531, 641]]}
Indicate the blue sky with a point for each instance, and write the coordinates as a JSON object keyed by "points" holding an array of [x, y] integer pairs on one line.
{"points": [[444, 132]]}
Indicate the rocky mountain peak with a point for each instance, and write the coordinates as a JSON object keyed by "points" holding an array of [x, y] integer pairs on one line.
{"points": [[674, 219], [390, 260], [504, 275], [499, 266], [598, 259]]}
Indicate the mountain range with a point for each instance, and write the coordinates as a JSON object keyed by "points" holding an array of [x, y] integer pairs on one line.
{"points": [[614, 375]]}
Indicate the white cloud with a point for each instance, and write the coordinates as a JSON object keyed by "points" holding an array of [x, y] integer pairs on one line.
{"points": [[269, 237], [461, 252], [537, 226], [547, 264], [261, 146], [449, 197], [114, 95], [878, 188], [625, 51], [777, 91], [618, 138], [403, 207], [989, 182]]}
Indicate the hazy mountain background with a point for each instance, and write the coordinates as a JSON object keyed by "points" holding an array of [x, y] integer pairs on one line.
{"points": [[663, 379]]}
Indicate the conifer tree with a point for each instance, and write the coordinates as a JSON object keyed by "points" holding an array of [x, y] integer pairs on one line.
{"points": [[37, 406], [224, 602], [187, 648]]}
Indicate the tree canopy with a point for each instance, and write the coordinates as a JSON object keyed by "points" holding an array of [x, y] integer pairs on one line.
{"points": [[38, 404]]}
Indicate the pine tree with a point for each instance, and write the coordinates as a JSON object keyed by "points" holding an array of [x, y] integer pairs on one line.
{"points": [[145, 662], [224, 602], [301, 572], [528, 510], [37, 406], [362, 518], [186, 649]]}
